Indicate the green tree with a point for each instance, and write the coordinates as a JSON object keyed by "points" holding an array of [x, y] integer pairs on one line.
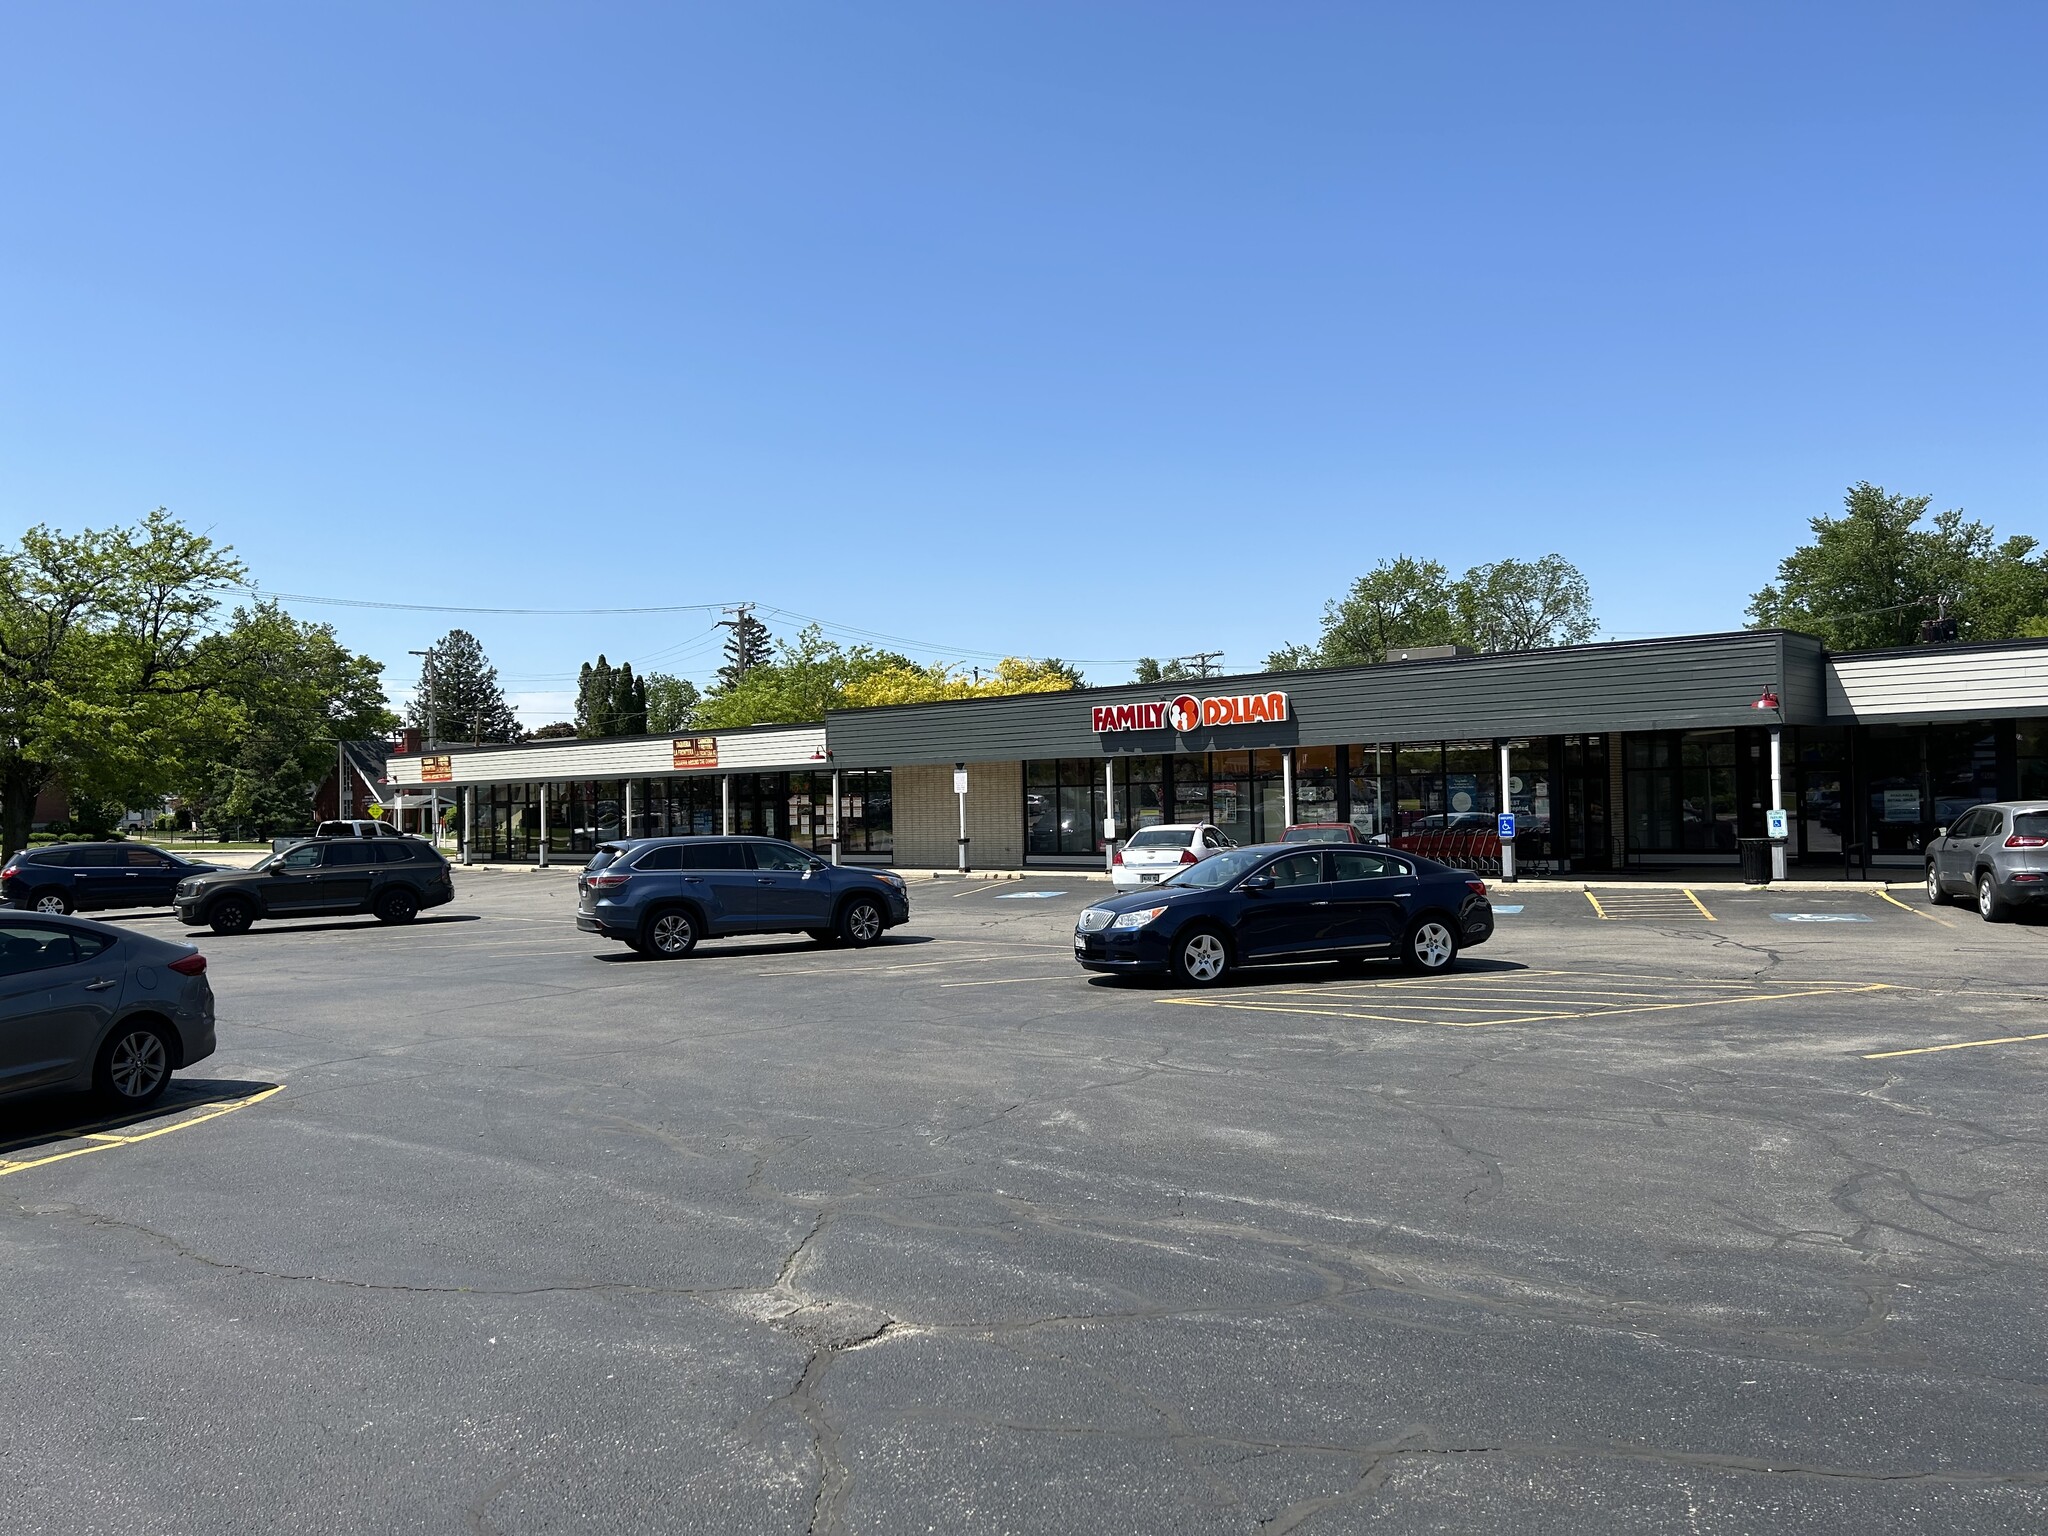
{"points": [[1871, 576], [296, 691], [1525, 605], [1406, 603], [610, 701], [103, 684], [459, 694], [1151, 670], [559, 730], [795, 685], [671, 703], [910, 684]]}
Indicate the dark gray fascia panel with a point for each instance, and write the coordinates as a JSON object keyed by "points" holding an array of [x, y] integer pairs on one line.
{"points": [[1695, 683]]}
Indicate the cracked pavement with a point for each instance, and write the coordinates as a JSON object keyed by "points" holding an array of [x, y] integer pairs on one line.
{"points": [[944, 1236]]}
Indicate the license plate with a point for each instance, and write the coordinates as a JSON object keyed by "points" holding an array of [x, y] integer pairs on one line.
{"points": [[1147, 879]]}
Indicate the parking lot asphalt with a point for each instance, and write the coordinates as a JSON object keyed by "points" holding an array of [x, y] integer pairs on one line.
{"points": [[1723, 1213]]}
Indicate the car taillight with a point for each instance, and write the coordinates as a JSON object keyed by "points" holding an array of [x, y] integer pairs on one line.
{"points": [[1117, 857], [605, 882], [1476, 887], [2021, 840], [189, 965], [1187, 856]]}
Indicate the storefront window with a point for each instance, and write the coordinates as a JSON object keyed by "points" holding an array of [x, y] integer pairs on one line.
{"points": [[1418, 786], [1368, 767], [1315, 784], [2033, 759], [1529, 796], [1821, 765]]}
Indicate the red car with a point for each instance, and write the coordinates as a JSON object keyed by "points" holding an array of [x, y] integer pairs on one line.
{"points": [[1322, 832]]}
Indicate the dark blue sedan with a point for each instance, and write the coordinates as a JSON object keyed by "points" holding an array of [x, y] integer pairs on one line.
{"points": [[1285, 905]]}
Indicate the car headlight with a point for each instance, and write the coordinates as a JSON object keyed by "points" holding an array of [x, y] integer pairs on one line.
{"points": [[1136, 919], [895, 880], [1094, 920]]}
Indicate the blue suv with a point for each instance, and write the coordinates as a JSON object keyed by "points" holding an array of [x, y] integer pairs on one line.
{"points": [[660, 895]]}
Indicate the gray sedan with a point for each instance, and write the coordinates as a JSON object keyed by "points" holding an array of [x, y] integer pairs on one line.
{"points": [[1998, 854], [89, 1005]]}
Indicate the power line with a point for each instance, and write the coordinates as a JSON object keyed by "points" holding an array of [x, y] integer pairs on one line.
{"points": [[560, 613]]}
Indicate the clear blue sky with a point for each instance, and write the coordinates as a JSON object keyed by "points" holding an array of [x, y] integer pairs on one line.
{"points": [[1089, 329]]}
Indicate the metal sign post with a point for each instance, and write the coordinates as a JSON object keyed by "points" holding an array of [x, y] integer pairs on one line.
{"points": [[1505, 824], [960, 789]]}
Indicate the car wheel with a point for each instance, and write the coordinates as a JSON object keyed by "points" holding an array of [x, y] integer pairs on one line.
{"points": [[1936, 896], [134, 1066], [50, 901], [1430, 947], [670, 935], [397, 906], [861, 923], [1990, 905], [1200, 958], [231, 914]]}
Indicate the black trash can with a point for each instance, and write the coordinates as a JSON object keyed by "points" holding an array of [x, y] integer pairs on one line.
{"points": [[1756, 860]]}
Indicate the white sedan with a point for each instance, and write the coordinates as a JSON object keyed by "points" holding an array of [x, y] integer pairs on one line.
{"points": [[1153, 853]]}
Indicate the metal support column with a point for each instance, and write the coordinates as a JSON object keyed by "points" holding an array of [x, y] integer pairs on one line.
{"points": [[1286, 790], [628, 817], [725, 804], [835, 815], [1507, 806], [1777, 800], [1109, 827], [434, 818], [469, 824], [960, 789], [543, 826]]}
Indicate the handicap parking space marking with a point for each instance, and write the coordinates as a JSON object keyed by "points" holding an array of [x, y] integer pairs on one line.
{"points": [[1027, 895], [1680, 906], [105, 1140], [1516, 997], [1822, 917], [1499, 911]]}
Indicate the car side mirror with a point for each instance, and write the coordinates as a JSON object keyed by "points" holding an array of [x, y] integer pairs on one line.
{"points": [[1257, 885], [1941, 831]]}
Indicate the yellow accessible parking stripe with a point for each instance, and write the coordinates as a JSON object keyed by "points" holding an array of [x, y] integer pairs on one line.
{"points": [[1888, 896], [106, 1141]]}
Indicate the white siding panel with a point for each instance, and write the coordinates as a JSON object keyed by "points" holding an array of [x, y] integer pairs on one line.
{"points": [[1968, 683], [632, 757]]}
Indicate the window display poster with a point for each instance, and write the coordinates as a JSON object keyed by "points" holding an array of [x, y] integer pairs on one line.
{"points": [[1902, 805], [1464, 791]]}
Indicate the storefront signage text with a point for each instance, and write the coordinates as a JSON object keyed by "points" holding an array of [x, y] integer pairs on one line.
{"points": [[436, 768], [694, 752], [1188, 713]]}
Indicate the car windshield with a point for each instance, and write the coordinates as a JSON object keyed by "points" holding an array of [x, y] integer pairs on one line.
{"points": [[1162, 837], [1219, 870]]}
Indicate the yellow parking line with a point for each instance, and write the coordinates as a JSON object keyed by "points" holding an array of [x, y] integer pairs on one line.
{"points": [[1888, 896], [104, 1142], [1529, 1018], [1701, 905], [1960, 1045], [1598, 910]]}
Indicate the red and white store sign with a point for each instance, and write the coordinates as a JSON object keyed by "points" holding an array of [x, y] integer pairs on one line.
{"points": [[1188, 713]]}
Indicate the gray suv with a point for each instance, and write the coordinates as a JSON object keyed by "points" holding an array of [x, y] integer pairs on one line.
{"points": [[659, 895], [1998, 854]]}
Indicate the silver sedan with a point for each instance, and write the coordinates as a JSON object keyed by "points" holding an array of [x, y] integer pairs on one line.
{"points": [[90, 1005]]}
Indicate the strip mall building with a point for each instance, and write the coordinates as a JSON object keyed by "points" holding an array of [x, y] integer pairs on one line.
{"points": [[1623, 756]]}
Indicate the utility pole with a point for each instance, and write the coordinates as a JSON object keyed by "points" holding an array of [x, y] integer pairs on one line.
{"points": [[740, 612], [1201, 663], [433, 740]]}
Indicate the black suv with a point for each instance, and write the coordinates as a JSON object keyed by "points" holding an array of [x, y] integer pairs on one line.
{"points": [[391, 879], [91, 877]]}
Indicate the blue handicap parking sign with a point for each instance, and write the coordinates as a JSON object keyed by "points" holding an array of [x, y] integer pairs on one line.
{"points": [[1506, 822]]}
